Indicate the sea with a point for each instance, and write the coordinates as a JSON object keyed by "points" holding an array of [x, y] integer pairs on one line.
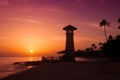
{"points": [[7, 68]]}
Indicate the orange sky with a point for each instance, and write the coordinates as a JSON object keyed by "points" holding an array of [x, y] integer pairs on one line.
{"points": [[37, 25]]}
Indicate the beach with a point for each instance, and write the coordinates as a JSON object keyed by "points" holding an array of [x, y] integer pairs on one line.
{"points": [[7, 67], [87, 70]]}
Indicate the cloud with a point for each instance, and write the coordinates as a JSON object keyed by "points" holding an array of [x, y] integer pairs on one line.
{"points": [[4, 2], [30, 20], [90, 24]]}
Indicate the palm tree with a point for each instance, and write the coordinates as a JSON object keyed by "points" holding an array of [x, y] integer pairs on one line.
{"points": [[118, 22], [104, 23], [118, 27], [110, 37], [93, 46], [100, 46]]}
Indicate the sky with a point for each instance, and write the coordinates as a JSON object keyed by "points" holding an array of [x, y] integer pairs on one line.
{"points": [[37, 25]]}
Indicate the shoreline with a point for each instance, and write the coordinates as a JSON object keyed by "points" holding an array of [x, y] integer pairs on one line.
{"points": [[12, 69], [95, 70]]}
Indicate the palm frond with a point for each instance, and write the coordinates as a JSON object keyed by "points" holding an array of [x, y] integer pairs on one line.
{"points": [[118, 27], [100, 43], [108, 24], [93, 45], [118, 20], [103, 23]]}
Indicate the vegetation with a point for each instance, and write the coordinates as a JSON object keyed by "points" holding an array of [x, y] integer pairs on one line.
{"points": [[118, 27], [92, 51], [119, 20], [104, 23], [119, 23], [111, 48]]}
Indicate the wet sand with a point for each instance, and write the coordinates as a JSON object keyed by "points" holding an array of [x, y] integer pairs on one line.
{"points": [[70, 71]]}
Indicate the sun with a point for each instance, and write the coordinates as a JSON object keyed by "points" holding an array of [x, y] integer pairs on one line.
{"points": [[31, 51]]}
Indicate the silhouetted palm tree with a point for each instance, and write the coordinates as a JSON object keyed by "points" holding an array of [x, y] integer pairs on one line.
{"points": [[100, 43], [111, 49], [100, 46], [118, 27], [110, 37], [118, 22], [93, 46], [104, 23]]}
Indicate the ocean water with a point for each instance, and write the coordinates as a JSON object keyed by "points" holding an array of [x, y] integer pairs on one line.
{"points": [[7, 67]]}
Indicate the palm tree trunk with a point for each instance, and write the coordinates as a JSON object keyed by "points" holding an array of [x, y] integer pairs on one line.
{"points": [[105, 33]]}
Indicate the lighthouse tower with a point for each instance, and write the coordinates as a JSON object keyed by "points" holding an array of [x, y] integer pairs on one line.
{"points": [[69, 49]]}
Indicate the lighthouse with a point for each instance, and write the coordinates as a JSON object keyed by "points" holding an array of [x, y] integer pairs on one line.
{"points": [[69, 48]]}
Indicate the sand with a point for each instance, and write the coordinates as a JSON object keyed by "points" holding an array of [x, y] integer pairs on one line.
{"points": [[70, 71]]}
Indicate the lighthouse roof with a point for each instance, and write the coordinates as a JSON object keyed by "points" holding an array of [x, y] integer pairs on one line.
{"points": [[69, 27]]}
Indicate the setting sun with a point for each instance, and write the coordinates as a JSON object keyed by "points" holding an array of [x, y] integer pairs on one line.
{"points": [[31, 51]]}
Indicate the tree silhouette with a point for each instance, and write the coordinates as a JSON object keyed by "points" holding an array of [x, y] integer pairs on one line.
{"points": [[100, 45], [118, 22], [104, 23], [110, 37], [118, 27], [93, 46], [111, 48]]}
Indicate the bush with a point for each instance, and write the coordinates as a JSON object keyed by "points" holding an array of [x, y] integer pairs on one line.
{"points": [[112, 48]]}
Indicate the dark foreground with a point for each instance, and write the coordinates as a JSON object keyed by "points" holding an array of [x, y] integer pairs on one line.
{"points": [[70, 71]]}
